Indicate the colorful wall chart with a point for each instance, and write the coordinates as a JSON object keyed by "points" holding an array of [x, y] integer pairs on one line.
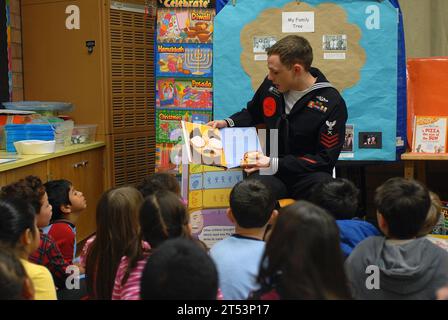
{"points": [[207, 190], [184, 61]]}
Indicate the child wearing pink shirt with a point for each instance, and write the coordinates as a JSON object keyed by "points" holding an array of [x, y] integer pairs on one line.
{"points": [[162, 216]]}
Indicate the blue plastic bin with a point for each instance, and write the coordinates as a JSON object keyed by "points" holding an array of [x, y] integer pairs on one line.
{"points": [[18, 132]]}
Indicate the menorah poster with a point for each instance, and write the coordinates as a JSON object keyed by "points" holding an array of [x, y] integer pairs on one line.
{"points": [[184, 60], [354, 44]]}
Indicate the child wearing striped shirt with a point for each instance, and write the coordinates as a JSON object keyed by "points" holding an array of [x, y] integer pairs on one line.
{"points": [[162, 216]]}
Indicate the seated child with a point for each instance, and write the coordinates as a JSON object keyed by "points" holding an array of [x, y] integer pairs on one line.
{"points": [[162, 216], [117, 234], [19, 233], [406, 267], [32, 190], [158, 181], [14, 282], [237, 258], [303, 259], [67, 203], [433, 216], [179, 270], [340, 198]]}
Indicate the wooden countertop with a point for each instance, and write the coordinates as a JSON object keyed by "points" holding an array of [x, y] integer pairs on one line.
{"points": [[24, 160], [424, 156]]}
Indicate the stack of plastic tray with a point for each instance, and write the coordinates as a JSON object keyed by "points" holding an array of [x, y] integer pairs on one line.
{"points": [[18, 132], [39, 106]]}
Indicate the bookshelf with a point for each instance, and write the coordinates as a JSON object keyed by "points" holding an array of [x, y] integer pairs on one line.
{"points": [[415, 164]]}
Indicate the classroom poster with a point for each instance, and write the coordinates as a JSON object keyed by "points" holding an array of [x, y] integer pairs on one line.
{"points": [[185, 25], [184, 77], [208, 190], [174, 93]]}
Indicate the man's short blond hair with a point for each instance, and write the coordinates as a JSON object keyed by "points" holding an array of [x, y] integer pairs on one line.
{"points": [[293, 49]]}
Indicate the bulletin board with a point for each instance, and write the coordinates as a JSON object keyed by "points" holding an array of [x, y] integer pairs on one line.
{"points": [[357, 44]]}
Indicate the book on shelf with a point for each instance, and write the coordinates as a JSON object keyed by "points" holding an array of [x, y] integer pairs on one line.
{"points": [[226, 147], [430, 134]]}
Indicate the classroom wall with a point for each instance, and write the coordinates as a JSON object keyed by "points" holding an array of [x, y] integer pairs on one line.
{"points": [[425, 23], [16, 51], [426, 27]]}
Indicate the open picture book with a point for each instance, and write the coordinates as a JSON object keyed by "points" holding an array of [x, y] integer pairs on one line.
{"points": [[227, 147]]}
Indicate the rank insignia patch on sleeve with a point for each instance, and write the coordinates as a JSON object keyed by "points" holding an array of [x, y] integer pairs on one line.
{"points": [[329, 141]]}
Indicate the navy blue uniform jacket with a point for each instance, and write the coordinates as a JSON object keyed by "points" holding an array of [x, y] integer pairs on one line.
{"points": [[310, 136]]}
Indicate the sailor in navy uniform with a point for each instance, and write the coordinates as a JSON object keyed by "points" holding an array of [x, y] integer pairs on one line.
{"points": [[309, 114]]}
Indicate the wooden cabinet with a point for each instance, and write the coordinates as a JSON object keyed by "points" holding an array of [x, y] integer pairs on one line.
{"points": [[38, 169], [113, 86], [84, 169]]}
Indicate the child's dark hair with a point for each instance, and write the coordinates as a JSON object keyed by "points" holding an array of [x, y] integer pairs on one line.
{"points": [[404, 204], [58, 195], [163, 216], [29, 189], [179, 270], [303, 259], [117, 235], [338, 196], [15, 217], [158, 181], [12, 275], [252, 203]]}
